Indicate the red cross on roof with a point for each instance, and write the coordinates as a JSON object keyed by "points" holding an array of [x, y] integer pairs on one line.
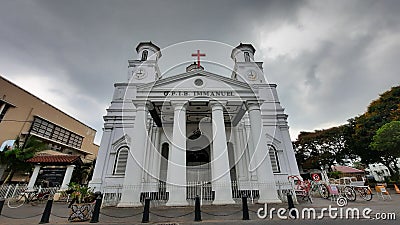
{"points": [[198, 54]]}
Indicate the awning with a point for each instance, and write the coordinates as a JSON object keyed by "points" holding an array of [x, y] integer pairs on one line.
{"points": [[56, 160]]}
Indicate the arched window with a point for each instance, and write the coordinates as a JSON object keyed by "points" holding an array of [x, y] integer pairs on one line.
{"points": [[144, 55], [247, 57], [121, 161], [274, 159]]}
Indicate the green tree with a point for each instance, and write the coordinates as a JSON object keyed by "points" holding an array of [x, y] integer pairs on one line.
{"points": [[352, 139], [387, 142], [321, 147], [15, 159], [381, 111]]}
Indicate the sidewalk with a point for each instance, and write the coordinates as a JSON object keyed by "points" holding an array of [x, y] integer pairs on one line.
{"points": [[28, 214]]}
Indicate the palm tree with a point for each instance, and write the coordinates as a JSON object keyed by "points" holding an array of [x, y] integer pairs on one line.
{"points": [[16, 158]]}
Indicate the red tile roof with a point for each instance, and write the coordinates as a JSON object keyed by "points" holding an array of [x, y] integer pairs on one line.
{"points": [[346, 169], [56, 159]]}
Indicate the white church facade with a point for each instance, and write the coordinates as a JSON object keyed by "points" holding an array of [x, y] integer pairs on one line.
{"points": [[165, 136]]}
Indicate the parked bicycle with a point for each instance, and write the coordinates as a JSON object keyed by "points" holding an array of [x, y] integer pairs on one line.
{"points": [[357, 187], [348, 189], [320, 188], [365, 192], [28, 196]]}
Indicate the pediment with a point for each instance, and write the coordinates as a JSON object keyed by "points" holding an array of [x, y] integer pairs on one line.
{"points": [[197, 80], [125, 140], [271, 139]]}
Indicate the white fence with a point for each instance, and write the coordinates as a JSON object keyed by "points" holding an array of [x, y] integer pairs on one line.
{"points": [[159, 195], [8, 191]]}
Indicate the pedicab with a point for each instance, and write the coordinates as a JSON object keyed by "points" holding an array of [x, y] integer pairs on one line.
{"points": [[301, 188]]}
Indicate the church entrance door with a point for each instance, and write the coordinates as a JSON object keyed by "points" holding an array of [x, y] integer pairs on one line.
{"points": [[198, 166]]}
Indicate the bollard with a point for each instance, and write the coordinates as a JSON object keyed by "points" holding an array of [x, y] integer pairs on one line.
{"points": [[97, 206], [1, 205], [146, 211], [291, 205], [46, 213], [197, 211], [245, 208]]}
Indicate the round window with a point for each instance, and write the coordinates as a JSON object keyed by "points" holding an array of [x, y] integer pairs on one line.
{"points": [[198, 82]]}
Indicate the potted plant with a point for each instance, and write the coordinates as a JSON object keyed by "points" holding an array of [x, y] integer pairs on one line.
{"points": [[82, 202]]}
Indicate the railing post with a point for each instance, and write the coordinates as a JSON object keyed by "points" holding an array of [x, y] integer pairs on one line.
{"points": [[245, 208], [1, 205], [15, 190], [8, 191], [46, 213], [197, 211], [291, 206], [146, 211], [97, 206]]}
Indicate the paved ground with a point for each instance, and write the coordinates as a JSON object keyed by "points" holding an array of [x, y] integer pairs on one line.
{"points": [[28, 214]]}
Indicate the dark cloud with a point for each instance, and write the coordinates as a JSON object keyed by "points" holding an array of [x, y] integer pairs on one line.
{"points": [[343, 59], [329, 59]]}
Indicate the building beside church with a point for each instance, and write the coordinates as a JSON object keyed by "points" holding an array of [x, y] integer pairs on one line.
{"points": [[23, 115], [170, 138]]}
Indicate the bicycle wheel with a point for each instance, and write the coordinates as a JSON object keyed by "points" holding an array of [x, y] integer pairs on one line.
{"points": [[349, 193], [34, 202], [309, 198], [43, 198], [323, 191], [16, 201], [365, 193]]}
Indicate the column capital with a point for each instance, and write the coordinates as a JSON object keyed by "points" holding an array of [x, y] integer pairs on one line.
{"points": [[179, 105], [217, 105], [108, 128], [141, 105], [150, 105], [253, 105]]}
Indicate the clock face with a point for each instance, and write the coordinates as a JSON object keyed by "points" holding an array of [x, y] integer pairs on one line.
{"points": [[139, 74], [252, 75]]}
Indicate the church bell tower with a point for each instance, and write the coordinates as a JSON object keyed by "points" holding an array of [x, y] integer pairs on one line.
{"points": [[145, 68], [246, 69]]}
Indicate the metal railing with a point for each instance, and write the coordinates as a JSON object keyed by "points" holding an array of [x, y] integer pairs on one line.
{"points": [[159, 195], [11, 190]]}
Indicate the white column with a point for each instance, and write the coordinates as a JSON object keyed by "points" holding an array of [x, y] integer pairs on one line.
{"points": [[220, 165], [158, 146], [266, 179], [147, 162], [239, 154], [250, 147], [98, 173], [155, 155], [67, 177], [176, 175], [293, 169], [246, 155], [135, 165], [33, 178]]}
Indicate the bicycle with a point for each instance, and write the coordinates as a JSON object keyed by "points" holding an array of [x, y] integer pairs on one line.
{"points": [[320, 188], [28, 196], [346, 191], [364, 192]]}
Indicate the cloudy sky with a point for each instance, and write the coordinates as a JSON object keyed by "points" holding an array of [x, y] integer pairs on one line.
{"points": [[328, 58]]}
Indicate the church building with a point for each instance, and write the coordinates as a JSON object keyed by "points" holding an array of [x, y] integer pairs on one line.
{"points": [[218, 136]]}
